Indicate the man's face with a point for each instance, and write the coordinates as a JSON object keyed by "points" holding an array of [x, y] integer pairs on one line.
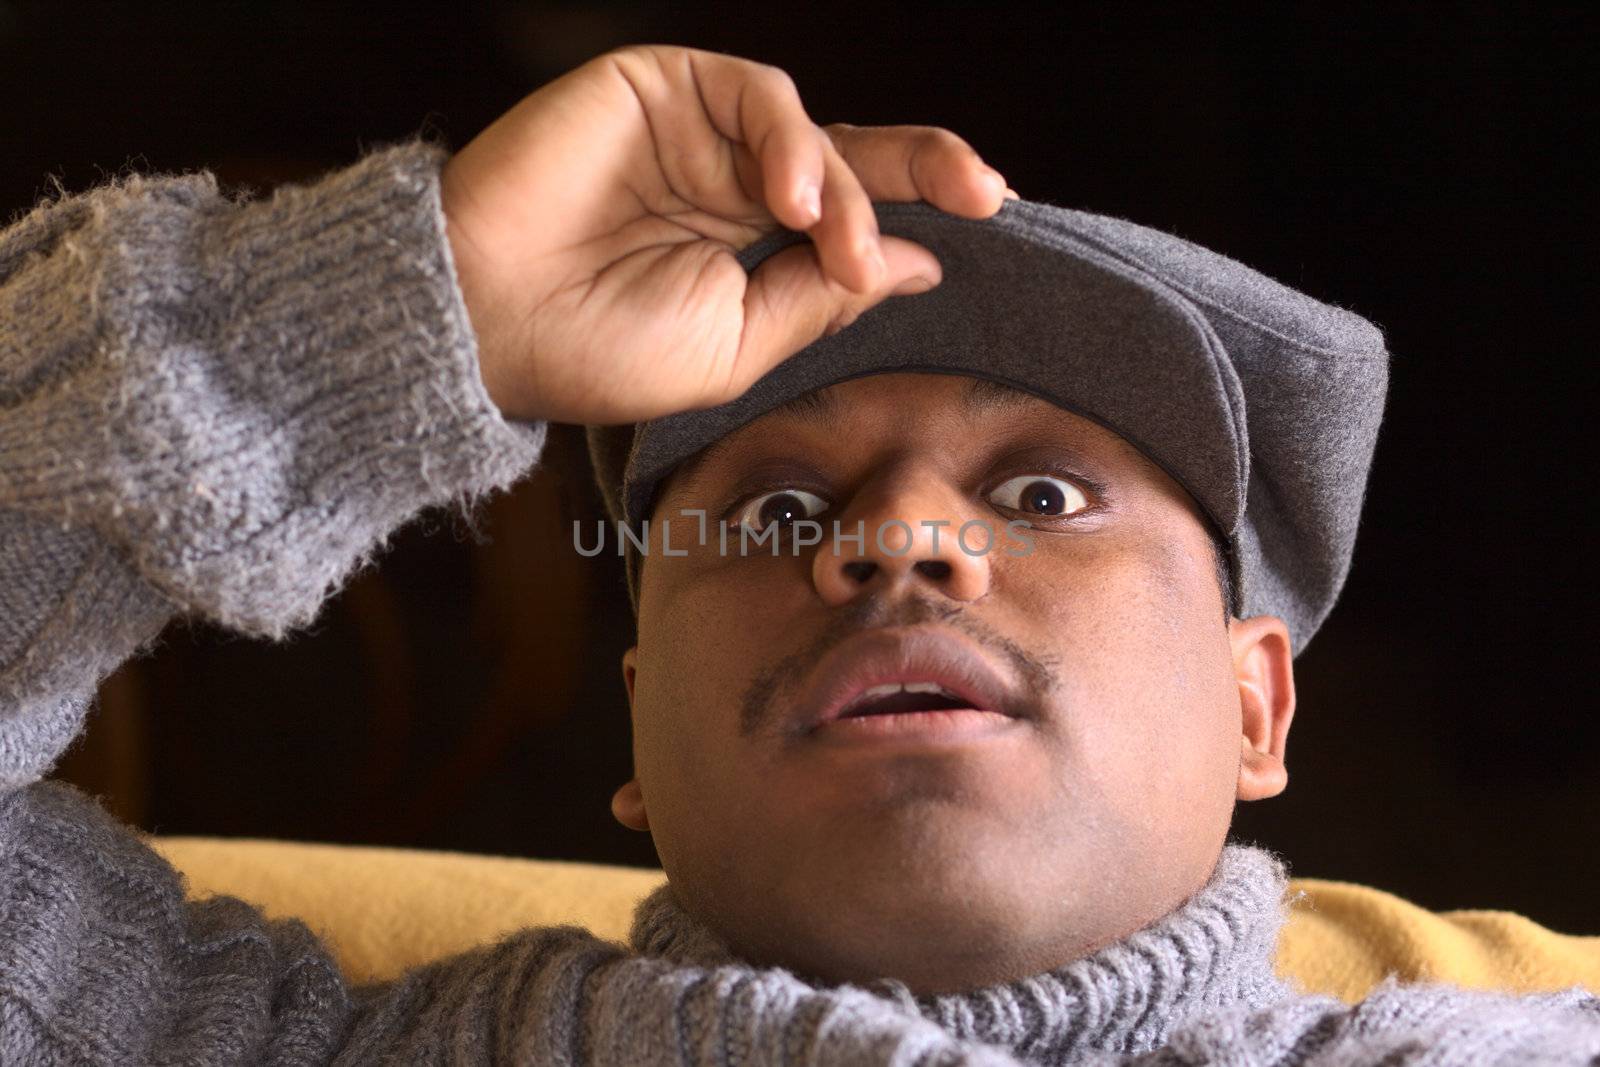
{"points": [[1091, 790]]}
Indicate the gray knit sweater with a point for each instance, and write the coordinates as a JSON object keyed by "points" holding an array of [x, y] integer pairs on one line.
{"points": [[221, 408]]}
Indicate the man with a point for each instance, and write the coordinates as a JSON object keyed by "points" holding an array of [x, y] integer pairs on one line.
{"points": [[222, 408]]}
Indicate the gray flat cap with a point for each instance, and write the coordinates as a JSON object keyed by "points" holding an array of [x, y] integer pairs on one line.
{"points": [[1260, 401]]}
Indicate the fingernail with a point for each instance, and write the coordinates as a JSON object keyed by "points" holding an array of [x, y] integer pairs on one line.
{"points": [[993, 177], [811, 200], [913, 285], [1012, 194]]}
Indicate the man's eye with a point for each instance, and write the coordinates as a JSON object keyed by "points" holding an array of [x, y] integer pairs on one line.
{"points": [[784, 507], [1039, 494]]}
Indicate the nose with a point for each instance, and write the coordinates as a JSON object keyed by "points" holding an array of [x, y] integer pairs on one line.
{"points": [[918, 534]]}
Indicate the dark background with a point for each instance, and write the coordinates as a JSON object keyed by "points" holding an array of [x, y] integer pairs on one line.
{"points": [[1420, 167]]}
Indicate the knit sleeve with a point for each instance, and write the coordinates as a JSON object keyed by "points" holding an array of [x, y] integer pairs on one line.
{"points": [[221, 407]]}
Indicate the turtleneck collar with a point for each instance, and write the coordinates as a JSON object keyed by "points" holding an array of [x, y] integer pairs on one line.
{"points": [[1217, 948]]}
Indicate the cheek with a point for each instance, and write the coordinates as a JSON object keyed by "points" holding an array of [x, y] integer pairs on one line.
{"points": [[703, 637], [1145, 670]]}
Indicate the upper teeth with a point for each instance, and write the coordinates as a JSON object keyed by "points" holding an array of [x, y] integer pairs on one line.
{"points": [[891, 688]]}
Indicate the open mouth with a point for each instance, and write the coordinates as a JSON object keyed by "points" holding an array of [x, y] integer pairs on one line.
{"points": [[906, 684], [897, 698], [917, 713]]}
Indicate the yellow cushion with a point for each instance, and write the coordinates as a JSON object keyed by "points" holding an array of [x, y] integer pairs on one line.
{"points": [[385, 910], [1343, 939]]}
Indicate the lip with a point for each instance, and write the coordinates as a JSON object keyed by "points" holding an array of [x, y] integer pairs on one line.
{"points": [[903, 655], [944, 727]]}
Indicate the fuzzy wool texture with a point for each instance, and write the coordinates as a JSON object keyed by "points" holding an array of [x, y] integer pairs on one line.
{"points": [[104, 961], [222, 408], [1260, 401], [219, 408]]}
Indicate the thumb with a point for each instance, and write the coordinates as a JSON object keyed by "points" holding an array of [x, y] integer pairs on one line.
{"points": [[789, 302]]}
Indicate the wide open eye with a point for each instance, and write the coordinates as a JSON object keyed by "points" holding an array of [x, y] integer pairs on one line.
{"points": [[1039, 494], [785, 506]]}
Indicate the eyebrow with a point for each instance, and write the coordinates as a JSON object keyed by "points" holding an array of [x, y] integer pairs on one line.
{"points": [[985, 395], [821, 407]]}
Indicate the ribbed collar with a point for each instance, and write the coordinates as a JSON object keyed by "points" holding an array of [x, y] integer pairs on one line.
{"points": [[1216, 949]]}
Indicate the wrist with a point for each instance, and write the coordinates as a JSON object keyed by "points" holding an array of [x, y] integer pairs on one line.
{"points": [[467, 257]]}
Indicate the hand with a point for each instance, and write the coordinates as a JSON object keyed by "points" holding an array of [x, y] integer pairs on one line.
{"points": [[594, 228]]}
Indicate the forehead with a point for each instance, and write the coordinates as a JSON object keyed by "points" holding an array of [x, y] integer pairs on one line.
{"points": [[913, 398], [886, 393]]}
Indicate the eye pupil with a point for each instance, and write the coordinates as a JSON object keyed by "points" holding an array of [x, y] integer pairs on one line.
{"points": [[1045, 497], [783, 508]]}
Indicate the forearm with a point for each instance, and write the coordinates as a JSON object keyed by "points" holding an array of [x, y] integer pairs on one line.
{"points": [[223, 408]]}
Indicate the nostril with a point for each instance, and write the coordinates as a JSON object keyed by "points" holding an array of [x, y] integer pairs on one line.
{"points": [[860, 570], [937, 569]]}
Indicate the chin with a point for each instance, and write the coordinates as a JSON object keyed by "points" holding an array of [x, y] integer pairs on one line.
{"points": [[936, 931]]}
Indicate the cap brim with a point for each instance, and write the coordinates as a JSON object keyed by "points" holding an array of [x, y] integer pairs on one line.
{"points": [[1026, 302]]}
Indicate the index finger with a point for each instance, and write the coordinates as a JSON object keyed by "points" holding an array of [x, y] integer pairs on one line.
{"points": [[805, 183]]}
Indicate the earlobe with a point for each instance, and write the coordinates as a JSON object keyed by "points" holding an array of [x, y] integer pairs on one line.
{"points": [[1263, 665], [627, 805]]}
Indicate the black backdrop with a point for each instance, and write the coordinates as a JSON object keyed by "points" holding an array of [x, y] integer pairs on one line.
{"points": [[1420, 167]]}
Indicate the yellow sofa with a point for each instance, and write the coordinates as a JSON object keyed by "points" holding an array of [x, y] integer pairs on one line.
{"points": [[385, 910]]}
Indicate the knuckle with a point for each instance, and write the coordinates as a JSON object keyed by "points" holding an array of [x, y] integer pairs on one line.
{"points": [[631, 63], [775, 80], [639, 59], [627, 55], [937, 139], [643, 51]]}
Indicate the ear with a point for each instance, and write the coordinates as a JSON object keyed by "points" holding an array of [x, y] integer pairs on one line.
{"points": [[627, 805], [630, 667], [1263, 664]]}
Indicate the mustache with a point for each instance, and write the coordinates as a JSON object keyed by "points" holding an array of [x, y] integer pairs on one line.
{"points": [[1037, 672]]}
